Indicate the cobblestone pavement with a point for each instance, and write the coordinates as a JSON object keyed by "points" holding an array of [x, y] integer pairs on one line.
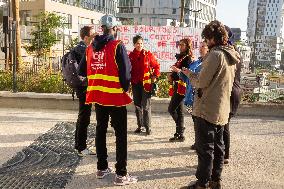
{"points": [[36, 151]]}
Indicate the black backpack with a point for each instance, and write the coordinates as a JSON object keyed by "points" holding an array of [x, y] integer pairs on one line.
{"points": [[69, 71]]}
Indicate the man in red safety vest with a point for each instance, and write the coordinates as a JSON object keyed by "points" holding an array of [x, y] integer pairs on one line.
{"points": [[108, 72]]}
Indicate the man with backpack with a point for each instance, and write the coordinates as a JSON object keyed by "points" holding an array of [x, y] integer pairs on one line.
{"points": [[87, 34]]}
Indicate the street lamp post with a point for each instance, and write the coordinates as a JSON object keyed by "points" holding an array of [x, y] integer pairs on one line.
{"points": [[63, 40], [14, 41], [195, 15], [182, 13]]}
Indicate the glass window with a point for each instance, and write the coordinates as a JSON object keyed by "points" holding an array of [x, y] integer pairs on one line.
{"points": [[67, 19], [25, 17]]}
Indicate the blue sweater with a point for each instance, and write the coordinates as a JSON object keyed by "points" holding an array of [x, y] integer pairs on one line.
{"points": [[195, 66]]}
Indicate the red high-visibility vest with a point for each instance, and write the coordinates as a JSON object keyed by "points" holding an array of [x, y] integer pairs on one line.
{"points": [[181, 87], [171, 90], [147, 83], [104, 87]]}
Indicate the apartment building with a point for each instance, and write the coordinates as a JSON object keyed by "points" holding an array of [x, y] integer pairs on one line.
{"points": [[265, 31], [245, 52], [198, 13], [76, 12]]}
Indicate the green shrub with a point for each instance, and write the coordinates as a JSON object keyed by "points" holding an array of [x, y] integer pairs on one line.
{"points": [[46, 82], [41, 82], [249, 97], [6, 81], [163, 86]]}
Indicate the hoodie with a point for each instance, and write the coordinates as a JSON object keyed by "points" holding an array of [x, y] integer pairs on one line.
{"points": [[214, 84], [122, 60]]}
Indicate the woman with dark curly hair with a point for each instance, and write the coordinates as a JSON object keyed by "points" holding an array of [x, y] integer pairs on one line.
{"points": [[178, 87], [211, 105]]}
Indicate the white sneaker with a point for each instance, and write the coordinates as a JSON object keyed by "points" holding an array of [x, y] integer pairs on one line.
{"points": [[124, 180], [86, 152], [102, 173]]}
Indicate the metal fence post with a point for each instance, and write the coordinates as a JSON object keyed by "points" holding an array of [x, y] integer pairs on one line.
{"points": [[14, 27]]}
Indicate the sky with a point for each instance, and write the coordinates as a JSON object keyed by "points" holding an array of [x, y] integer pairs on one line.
{"points": [[233, 13]]}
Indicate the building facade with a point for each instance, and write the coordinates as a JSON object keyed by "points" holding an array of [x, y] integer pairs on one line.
{"points": [[75, 12], [265, 31], [198, 13], [245, 52]]}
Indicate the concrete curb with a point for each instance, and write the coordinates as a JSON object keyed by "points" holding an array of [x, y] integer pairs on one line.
{"points": [[64, 102]]}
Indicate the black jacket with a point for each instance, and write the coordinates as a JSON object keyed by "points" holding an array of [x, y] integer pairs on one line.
{"points": [[184, 63], [235, 98], [122, 60], [79, 52]]}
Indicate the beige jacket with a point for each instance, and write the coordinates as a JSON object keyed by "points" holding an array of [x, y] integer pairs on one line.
{"points": [[214, 84]]}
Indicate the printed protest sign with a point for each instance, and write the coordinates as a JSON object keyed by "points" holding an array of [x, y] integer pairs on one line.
{"points": [[160, 40]]}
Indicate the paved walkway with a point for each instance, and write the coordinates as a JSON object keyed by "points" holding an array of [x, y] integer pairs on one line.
{"points": [[36, 152]]}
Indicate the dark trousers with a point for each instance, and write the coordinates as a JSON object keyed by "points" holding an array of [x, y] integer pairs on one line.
{"points": [[210, 151], [175, 108], [119, 123], [82, 124], [142, 103], [226, 137]]}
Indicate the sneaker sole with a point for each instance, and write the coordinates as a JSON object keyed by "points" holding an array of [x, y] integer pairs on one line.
{"points": [[101, 177], [123, 184], [83, 155], [177, 141]]}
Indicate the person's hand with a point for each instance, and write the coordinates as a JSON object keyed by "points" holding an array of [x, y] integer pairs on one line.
{"points": [[170, 79], [175, 69], [153, 78], [185, 71]]}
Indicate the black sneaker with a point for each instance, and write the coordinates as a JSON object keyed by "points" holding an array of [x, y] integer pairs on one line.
{"points": [[195, 186], [215, 184], [138, 130], [193, 147], [177, 138], [226, 161]]}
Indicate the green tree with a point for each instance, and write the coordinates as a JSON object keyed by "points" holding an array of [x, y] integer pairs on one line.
{"points": [[72, 44], [44, 35]]}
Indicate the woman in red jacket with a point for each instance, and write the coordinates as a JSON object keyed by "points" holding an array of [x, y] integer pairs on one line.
{"points": [[145, 70]]}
